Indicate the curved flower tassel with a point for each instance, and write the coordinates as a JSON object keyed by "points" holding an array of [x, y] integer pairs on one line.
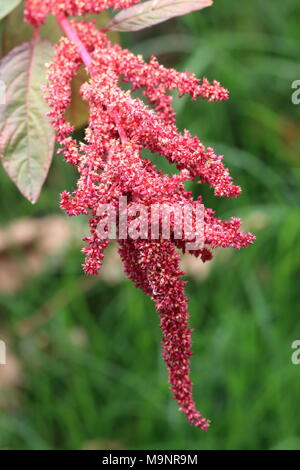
{"points": [[154, 267]]}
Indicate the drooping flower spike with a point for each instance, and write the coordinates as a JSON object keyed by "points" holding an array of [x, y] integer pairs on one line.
{"points": [[111, 166]]}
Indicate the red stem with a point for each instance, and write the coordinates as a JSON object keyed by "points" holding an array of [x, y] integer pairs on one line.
{"points": [[121, 131], [87, 60], [73, 36]]}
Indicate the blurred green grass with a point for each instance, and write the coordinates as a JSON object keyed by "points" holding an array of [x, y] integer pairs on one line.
{"points": [[110, 389]]}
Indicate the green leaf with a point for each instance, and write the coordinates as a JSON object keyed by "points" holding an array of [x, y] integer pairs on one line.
{"points": [[26, 138], [153, 12], [6, 6]]}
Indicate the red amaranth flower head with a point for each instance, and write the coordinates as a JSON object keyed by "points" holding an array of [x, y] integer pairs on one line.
{"points": [[37, 10], [111, 166]]}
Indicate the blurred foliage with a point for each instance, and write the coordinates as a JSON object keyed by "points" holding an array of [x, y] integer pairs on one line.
{"points": [[85, 353]]}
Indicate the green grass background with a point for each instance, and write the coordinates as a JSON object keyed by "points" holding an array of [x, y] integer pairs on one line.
{"points": [[113, 392]]}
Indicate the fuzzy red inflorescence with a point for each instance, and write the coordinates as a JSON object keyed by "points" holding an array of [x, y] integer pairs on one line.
{"points": [[37, 10], [110, 165]]}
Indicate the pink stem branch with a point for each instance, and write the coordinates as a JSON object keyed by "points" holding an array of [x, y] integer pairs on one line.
{"points": [[73, 36], [121, 131], [87, 60]]}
